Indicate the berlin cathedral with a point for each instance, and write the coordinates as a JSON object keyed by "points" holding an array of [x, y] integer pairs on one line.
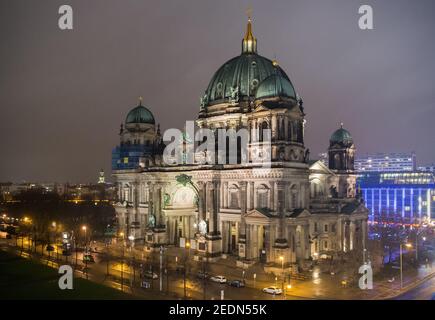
{"points": [[294, 212]]}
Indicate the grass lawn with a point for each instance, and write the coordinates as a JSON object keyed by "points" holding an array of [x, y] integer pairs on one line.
{"points": [[25, 279]]}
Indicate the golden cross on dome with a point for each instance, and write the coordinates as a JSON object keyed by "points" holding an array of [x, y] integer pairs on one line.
{"points": [[140, 100], [341, 125]]}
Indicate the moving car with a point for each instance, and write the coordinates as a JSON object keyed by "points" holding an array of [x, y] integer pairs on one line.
{"points": [[202, 275], [237, 283], [272, 290], [219, 279], [150, 275]]}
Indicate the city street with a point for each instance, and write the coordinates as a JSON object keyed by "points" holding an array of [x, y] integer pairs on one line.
{"points": [[114, 271], [424, 291]]}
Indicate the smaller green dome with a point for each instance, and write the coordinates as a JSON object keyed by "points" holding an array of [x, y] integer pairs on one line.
{"points": [[140, 114], [275, 85], [341, 136]]}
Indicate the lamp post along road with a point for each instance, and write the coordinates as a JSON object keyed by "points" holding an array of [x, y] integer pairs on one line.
{"points": [[408, 245], [161, 268]]}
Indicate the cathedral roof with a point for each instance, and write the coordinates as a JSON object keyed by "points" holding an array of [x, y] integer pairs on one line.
{"points": [[243, 74], [275, 85], [140, 114], [341, 136]]}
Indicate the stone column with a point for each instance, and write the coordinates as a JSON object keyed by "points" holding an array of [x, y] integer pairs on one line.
{"points": [[242, 226], [287, 138], [150, 199], [352, 235], [120, 195], [273, 193], [158, 205], [274, 127], [339, 235], [225, 195], [243, 196], [275, 196], [251, 199]]}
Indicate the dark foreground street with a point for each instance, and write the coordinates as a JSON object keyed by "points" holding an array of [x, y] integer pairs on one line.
{"points": [[116, 272]]}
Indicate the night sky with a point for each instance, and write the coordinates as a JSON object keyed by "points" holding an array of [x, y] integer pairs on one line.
{"points": [[64, 94]]}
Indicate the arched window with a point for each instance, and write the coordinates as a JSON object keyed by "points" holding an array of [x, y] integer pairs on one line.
{"points": [[281, 129], [293, 197], [337, 161], [264, 126], [233, 193], [315, 189], [262, 197], [127, 193], [294, 134]]}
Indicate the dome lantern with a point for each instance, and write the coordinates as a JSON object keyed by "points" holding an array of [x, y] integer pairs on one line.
{"points": [[249, 42]]}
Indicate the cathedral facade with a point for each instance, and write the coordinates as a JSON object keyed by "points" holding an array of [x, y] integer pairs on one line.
{"points": [[291, 212]]}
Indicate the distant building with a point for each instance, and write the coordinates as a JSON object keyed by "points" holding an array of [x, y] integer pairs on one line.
{"points": [[402, 197], [386, 162], [5, 191], [427, 168], [101, 178], [101, 191]]}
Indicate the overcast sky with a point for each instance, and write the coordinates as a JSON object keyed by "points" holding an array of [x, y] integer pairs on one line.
{"points": [[64, 94]]}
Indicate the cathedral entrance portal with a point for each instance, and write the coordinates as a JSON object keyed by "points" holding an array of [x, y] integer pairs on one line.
{"points": [[180, 211], [256, 241]]}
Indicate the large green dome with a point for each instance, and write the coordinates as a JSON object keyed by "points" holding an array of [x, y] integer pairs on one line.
{"points": [[341, 136], [241, 76], [140, 114], [275, 85]]}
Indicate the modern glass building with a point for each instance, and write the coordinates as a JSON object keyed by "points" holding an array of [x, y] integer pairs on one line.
{"points": [[386, 162], [399, 197]]}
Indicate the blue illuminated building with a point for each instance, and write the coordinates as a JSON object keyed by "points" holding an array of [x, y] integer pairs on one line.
{"points": [[399, 197]]}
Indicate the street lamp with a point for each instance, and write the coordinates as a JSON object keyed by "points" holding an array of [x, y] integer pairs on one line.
{"points": [[408, 245], [84, 228], [282, 271], [289, 286], [185, 268], [121, 235]]}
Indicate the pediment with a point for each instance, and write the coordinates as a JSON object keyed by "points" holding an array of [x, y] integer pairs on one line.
{"points": [[260, 108], [300, 213], [319, 167], [257, 213]]}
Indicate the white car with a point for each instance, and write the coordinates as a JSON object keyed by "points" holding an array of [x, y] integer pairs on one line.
{"points": [[272, 290], [220, 279]]}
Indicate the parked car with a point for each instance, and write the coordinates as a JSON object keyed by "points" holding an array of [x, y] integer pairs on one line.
{"points": [[272, 290], [150, 275], [237, 283], [219, 279], [202, 275], [88, 258], [145, 284]]}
